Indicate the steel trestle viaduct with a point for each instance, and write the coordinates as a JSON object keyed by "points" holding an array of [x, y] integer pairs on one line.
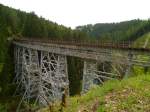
{"points": [[41, 66]]}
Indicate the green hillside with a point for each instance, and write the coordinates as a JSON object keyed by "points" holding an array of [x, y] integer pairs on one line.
{"points": [[143, 41], [17, 24], [127, 95], [123, 31]]}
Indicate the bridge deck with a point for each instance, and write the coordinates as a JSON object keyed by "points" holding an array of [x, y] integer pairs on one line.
{"points": [[114, 52], [125, 45]]}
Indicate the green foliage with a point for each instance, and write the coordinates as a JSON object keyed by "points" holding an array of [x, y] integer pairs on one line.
{"points": [[6, 74], [75, 72], [1, 66], [9, 104], [127, 30], [3, 108]]}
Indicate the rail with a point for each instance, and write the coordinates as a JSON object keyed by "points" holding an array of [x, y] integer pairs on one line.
{"points": [[87, 43]]}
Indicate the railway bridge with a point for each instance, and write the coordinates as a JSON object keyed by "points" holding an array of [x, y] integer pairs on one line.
{"points": [[41, 65]]}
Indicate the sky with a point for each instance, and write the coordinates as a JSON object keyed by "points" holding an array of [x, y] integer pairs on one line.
{"points": [[72, 13]]}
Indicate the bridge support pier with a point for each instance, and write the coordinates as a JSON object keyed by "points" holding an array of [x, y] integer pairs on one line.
{"points": [[95, 73], [41, 76], [89, 74], [128, 69], [27, 73], [54, 77], [18, 55]]}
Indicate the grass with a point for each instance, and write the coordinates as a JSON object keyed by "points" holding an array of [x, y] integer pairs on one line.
{"points": [[133, 96], [140, 42], [127, 95]]}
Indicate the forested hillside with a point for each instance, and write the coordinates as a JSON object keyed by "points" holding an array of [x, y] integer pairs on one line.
{"points": [[16, 24], [123, 31]]}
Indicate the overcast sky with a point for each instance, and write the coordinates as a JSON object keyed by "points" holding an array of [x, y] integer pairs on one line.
{"points": [[72, 13]]}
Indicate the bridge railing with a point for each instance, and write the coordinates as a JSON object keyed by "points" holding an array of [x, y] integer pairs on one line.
{"points": [[88, 43]]}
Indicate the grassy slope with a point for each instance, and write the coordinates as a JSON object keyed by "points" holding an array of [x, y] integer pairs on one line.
{"points": [[127, 95], [141, 41]]}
